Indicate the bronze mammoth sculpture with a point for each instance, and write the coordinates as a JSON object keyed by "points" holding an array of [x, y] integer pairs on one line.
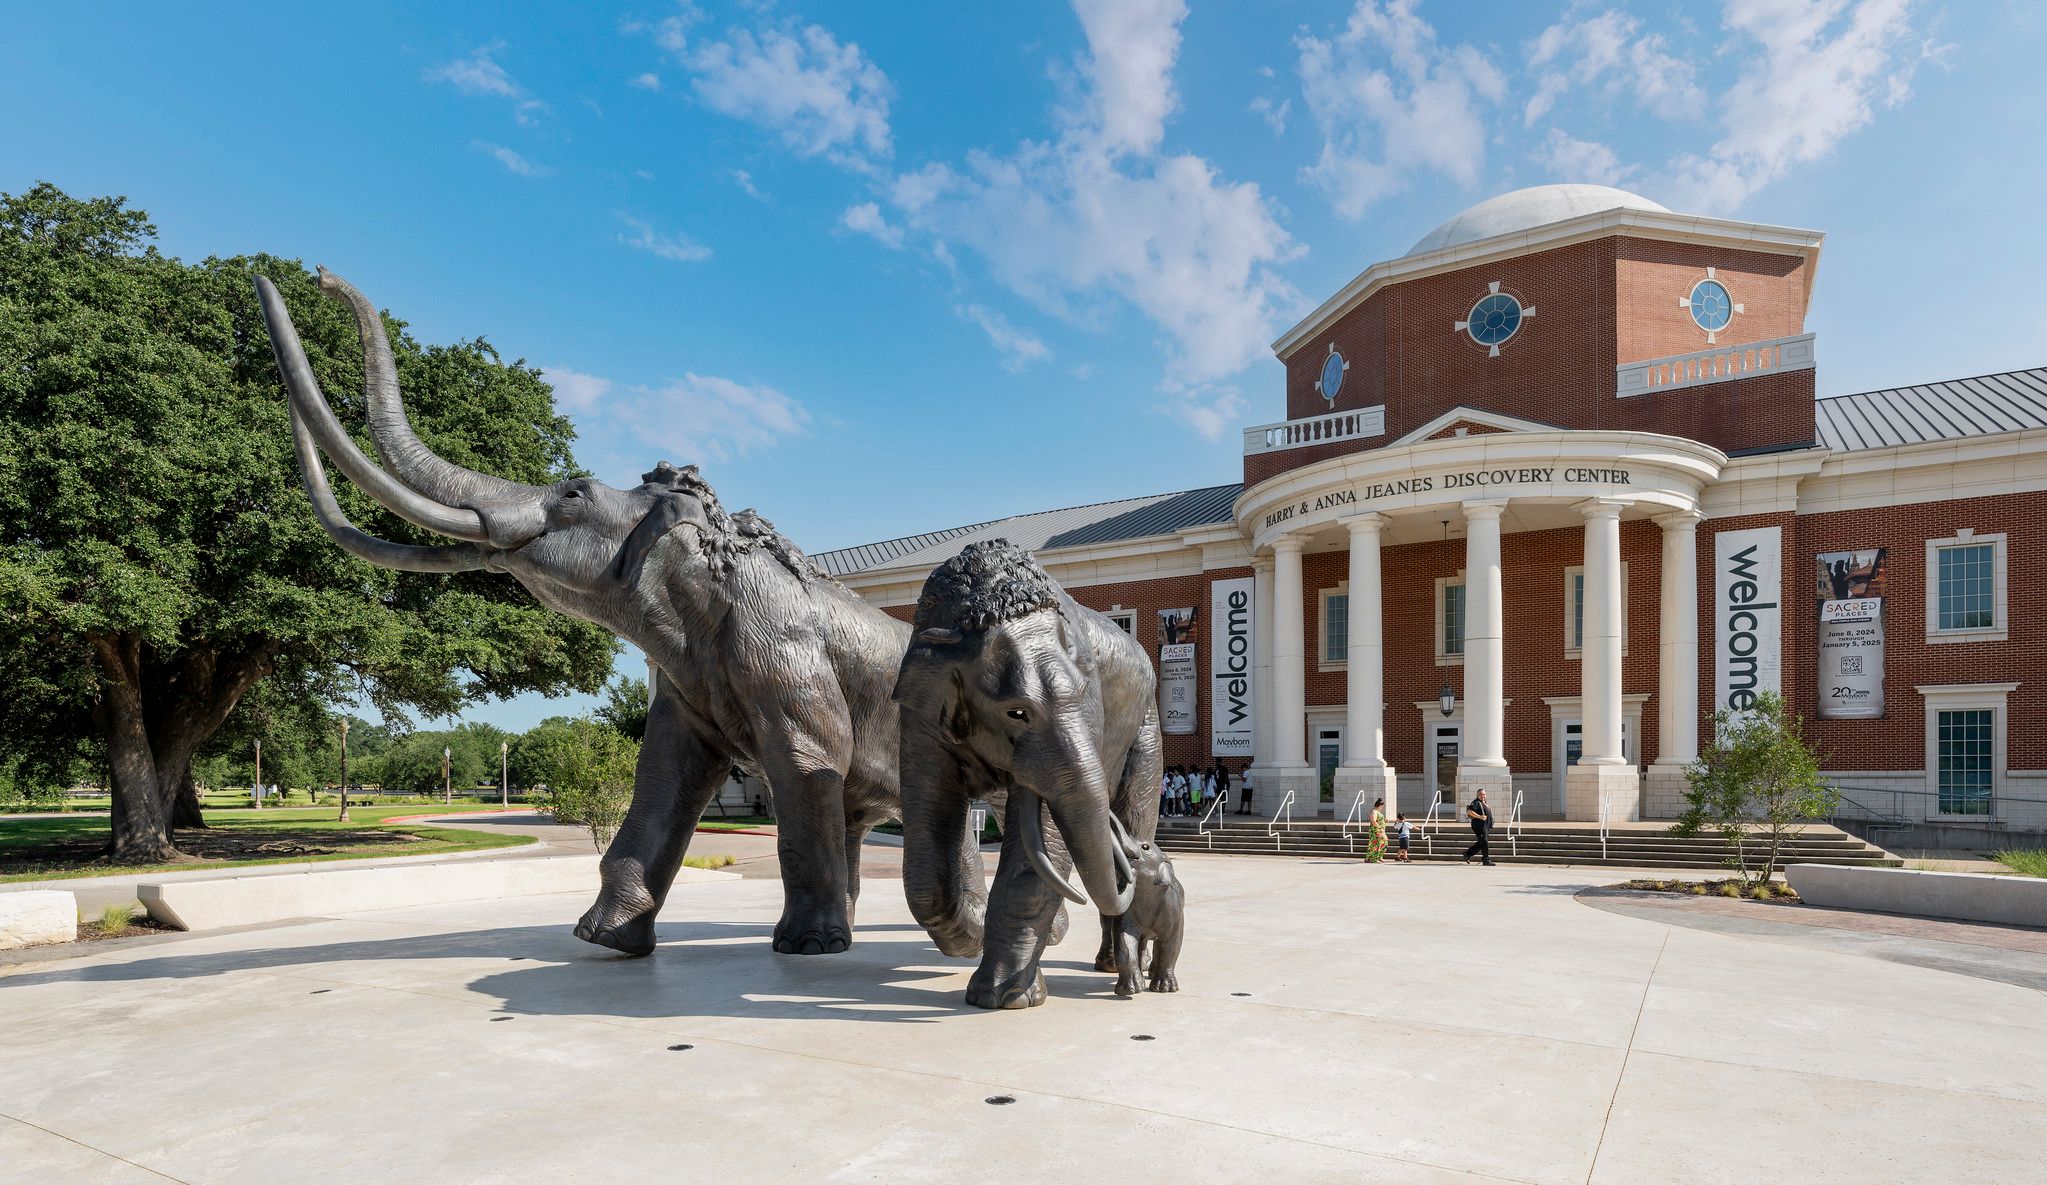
{"points": [[1014, 692], [762, 659]]}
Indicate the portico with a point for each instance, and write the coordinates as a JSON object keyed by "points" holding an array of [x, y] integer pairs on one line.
{"points": [[1507, 480]]}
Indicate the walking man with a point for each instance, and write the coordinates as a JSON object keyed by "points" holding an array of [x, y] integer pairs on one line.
{"points": [[1481, 817]]}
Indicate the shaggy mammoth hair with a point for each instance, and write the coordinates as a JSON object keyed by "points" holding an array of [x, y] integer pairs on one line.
{"points": [[731, 535], [985, 584]]}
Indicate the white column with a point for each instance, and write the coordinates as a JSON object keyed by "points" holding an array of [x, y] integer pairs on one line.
{"points": [[1483, 764], [1289, 674], [1600, 668], [1603, 783], [1364, 773], [1677, 669]]}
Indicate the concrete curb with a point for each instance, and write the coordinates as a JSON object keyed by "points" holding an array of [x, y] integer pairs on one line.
{"points": [[1966, 896], [246, 900]]}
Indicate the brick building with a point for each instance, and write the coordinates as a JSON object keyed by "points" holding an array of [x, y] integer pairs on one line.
{"points": [[1551, 488]]}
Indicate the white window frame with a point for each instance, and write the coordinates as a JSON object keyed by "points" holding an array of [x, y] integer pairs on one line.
{"points": [[1443, 656], [1322, 629], [1578, 651], [1962, 697], [1125, 619], [1997, 630]]}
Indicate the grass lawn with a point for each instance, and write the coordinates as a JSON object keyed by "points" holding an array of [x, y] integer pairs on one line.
{"points": [[749, 823], [2031, 862], [69, 845]]}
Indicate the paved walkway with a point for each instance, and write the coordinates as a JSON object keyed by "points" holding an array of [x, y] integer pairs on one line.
{"points": [[1339, 1022]]}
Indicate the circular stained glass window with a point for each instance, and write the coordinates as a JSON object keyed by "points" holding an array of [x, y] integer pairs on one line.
{"points": [[1494, 319], [1711, 307], [1332, 375]]}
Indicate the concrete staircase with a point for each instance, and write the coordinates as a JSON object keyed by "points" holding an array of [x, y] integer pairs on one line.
{"points": [[1635, 845]]}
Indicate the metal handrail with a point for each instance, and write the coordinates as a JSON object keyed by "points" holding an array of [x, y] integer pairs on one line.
{"points": [[1602, 830], [1286, 811], [1208, 814], [1514, 823], [1429, 825], [1351, 816]]}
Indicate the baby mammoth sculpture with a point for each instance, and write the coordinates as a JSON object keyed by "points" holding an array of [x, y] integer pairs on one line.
{"points": [[1148, 933], [762, 659], [1013, 692]]}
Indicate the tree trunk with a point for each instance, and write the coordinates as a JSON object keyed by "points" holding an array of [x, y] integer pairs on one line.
{"points": [[154, 717]]}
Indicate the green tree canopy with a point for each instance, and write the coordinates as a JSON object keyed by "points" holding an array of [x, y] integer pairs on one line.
{"points": [[157, 557]]}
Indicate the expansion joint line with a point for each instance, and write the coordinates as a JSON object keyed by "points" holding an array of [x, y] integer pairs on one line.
{"points": [[1641, 1006]]}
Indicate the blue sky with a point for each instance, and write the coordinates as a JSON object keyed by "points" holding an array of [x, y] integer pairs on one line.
{"points": [[886, 268]]}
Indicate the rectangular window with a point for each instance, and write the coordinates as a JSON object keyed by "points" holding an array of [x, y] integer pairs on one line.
{"points": [[1126, 620], [1453, 619], [1336, 627], [1965, 761], [1967, 587], [1577, 638]]}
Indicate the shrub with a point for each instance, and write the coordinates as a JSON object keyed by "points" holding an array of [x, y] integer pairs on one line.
{"points": [[588, 769], [711, 862], [1758, 785]]}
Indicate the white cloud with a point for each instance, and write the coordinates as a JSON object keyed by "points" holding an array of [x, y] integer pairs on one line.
{"points": [[678, 247], [649, 81], [1818, 71], [1131, 48], [1572, 159], [1017, 347], [1101, 215], [1390, 101], [480, 74], [822, 97], [1273, 115], [1212, 412], [867, 219], [744, 180], [512, 160], [1610, 51], [695, 416]]}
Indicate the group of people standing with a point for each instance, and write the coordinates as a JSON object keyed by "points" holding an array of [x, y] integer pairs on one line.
{"points": [[1185, 791]]}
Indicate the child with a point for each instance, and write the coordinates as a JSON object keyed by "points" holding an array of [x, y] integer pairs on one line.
{"points": [[1400, 831]]}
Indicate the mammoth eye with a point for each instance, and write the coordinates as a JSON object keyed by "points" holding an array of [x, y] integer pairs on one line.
{"points": [[572, 493], [1018, 715]]}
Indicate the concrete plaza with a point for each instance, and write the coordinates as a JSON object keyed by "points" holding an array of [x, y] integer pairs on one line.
{"points": [[1338, 1022]]}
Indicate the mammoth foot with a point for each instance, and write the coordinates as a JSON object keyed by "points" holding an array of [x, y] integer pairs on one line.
{"points": [[1161, 981], [624, 928], [813, 932], [1018, 991], [1126, 983]]}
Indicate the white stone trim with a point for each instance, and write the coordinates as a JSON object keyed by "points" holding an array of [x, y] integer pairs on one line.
{"points": [[1961, 697], [1934, 471], [1471, 415], [1999, 628]]}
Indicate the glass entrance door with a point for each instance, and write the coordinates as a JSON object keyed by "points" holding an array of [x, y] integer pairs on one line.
{"points": [[1328, 755], [1446, 744]]}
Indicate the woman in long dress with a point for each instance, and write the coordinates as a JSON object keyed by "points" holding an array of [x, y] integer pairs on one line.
{"points": [[1375, 845]]}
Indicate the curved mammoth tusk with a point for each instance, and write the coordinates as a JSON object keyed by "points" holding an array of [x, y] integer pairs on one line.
{"points": [[464, 557], [309, 403], [404, 453], [1031, 833]]}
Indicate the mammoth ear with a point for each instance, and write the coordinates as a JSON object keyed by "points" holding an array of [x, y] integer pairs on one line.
{"points": [[668, 511], [931, 689]]}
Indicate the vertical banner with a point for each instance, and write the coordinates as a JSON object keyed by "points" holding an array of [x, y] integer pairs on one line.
{"points": [[1177, 626], [1230, 659], [1851, 633], [1176, 688], [1748, 616]]}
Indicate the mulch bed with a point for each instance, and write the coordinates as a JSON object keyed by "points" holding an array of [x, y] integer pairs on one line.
{"points": [[209, 844], [1775, 891]]}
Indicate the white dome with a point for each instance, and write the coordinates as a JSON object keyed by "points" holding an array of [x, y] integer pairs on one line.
{"points": [[1538, 205]]}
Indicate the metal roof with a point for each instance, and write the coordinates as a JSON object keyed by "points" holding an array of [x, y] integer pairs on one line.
{"points": [[1077, 526], [1982, 406]]}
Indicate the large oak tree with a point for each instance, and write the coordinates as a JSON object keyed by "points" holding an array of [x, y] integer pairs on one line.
{"points": [[157, 557]]}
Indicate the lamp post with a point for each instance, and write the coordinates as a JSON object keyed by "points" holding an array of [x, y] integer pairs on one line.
{"points": [[504, 773], [447, 786], [256, 791], [344, 770]]}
